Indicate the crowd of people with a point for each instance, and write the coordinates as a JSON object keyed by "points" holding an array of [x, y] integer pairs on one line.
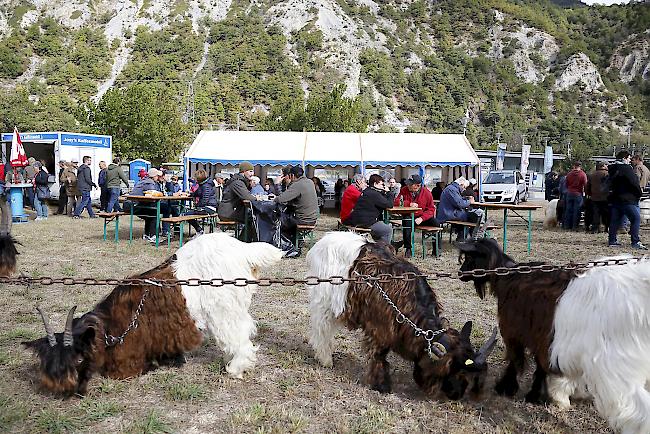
{"points": [[609, 196], [363, 204]]}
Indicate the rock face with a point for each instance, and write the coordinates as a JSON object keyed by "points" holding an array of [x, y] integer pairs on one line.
{"points": [[632, 58], [580, 71]]}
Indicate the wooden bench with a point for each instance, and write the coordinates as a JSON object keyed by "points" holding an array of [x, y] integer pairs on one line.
{"points": [[466, 226], [180, 220], [111, 216], [345, 228], [227, 225], [430, 232]]}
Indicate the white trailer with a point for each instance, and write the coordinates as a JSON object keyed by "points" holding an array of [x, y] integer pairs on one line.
{"points": [[52, 147]]}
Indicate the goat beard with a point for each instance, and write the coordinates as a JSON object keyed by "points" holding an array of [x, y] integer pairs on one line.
{"points": [[481, 287]]}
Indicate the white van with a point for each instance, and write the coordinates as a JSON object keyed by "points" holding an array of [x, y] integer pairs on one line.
{"points": [[505, 186], [52, 147]]}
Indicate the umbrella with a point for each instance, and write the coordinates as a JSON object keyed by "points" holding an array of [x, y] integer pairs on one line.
{"points": [[18, 156]]}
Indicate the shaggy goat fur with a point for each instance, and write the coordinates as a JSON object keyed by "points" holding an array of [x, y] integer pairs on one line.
{"points": [[550, 214], [170, 321], [360, 306], [591, 331]]}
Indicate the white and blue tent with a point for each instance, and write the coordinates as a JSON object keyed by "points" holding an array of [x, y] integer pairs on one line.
{"points": [[449, 155]]}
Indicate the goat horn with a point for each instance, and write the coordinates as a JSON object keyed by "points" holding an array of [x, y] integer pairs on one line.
{"points": [[48, 329], [68, 339], [486, 348]]}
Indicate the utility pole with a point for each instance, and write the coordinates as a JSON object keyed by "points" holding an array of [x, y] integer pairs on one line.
{"points": [[568, 148], [189, 115], [629, 135], [238, 120]]}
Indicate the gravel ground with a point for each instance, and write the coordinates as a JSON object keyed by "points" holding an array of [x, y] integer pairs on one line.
{"points": [[288, 391]]}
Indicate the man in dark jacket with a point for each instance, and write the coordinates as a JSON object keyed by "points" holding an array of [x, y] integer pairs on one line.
{"points": [[85, 184], [301, 200], [104, 192], [235, 192], [114, 177], [596, 191], [63, 196], [369, 209], [624, 200]]}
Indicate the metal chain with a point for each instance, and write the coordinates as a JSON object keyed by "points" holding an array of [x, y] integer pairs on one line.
{"points": [[314, 280], [429, 335], [111, 340]]}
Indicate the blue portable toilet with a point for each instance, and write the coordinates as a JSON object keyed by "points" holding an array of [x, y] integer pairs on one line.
{"points": [[135, 166]]}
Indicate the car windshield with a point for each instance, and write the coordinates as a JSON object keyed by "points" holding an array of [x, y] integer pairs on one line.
{"points": [[500, 178]]}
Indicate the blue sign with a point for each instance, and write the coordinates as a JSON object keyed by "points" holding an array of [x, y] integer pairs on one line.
{"points": [[26, 137], [85, 140]]}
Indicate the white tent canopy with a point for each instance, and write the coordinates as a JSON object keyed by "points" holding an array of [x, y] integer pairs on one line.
{"points": [[331, 149]]}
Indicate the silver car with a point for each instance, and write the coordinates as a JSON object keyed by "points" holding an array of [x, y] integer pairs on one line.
{"points": [[505, 186]]}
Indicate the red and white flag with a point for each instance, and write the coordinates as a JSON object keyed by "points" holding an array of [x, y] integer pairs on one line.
{"points": [[18, 156]]}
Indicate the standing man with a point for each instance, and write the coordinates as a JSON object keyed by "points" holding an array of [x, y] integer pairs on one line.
{"points": [[641, 171], [114, 177], [30, 174], [624, 200], [597, 191], [63, 196], [576, 180], [85, 184], [101, 181], [414, 195]]}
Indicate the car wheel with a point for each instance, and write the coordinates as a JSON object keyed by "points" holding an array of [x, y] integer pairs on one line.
{"points": [[516, 201]]}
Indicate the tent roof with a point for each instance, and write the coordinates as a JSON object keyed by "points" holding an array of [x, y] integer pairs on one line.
{"points": [[332, 149]]}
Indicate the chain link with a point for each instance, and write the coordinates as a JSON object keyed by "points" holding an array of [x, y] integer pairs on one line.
{"points": [[314, 280], [428, 335], [111, 340]]}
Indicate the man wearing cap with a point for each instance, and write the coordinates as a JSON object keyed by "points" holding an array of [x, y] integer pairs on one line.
{"points": [[145, 211], [301, 200], [85, 184], [235, 192], [413, 194]]}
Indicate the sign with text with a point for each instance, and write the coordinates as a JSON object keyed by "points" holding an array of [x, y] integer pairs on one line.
{"points": [[85, 140]]}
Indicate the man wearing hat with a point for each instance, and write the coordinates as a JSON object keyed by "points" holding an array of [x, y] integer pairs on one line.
{"points": [[415, 195], [145, 211], [235, 192]]}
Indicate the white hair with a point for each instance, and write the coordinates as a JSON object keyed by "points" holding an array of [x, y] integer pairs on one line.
{"points": [[601, 344], [333, 255], [255, 179], [222, 312], [462, 182]]}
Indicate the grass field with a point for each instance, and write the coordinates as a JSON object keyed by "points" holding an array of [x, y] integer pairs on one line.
{"points": [[288, 391]]}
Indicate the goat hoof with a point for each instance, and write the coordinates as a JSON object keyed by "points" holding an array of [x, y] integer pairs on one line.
{"points": [[381, 388], [506, 389], [536, 398], [178, 361]]}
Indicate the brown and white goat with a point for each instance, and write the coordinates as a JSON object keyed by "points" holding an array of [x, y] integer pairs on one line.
{"points": [[170, 322], [591, 331], [454, 367], [526, 307]]}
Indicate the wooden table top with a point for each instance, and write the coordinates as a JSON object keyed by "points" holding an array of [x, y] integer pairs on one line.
{"points": [[155, 198], [403, 209], [520, 207]]}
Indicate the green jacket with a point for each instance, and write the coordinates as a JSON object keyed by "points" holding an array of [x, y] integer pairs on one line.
{"points": [[113, 175], [301, 194]]}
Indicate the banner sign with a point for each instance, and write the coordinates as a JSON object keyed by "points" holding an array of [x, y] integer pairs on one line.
{"points": [[501, 156], [85, 140], [26, 137], [548, 159], [525, 155]]}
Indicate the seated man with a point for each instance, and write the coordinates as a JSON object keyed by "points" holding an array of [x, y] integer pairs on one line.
{"points": [[453, 206], [236, 190], [369, 210], [207, 204], [145, 210], [436, 192], [414, 195], [351, 195], [300, 196]]}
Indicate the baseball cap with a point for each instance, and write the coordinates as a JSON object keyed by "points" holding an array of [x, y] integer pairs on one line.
{"points": [[154, 172], [414, 179]]}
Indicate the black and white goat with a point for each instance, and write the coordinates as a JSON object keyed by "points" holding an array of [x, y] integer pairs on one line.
{"points": [[591, 332], [454, 366]]}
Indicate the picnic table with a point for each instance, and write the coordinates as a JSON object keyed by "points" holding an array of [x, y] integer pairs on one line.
{"points": [[506, 207], [404, 210], [156, 201]]}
